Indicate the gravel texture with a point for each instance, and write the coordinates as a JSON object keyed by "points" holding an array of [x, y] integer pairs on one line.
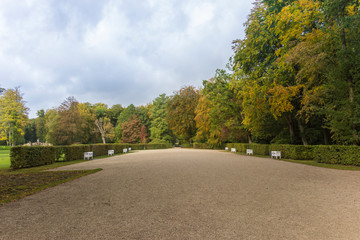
{"points": [[191, 194]]}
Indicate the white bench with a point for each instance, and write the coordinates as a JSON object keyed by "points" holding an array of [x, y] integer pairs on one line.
{"points": [[88, 155], [276, 154], [233, 149], [129, 149], [226, 149], [125, 150], [249, 151], [110, 152]]}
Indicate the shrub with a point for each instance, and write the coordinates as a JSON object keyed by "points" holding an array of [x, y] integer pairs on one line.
{"points": [[334, 154], [24, 157]]}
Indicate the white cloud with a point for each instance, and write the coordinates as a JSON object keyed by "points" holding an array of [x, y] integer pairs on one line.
{"points": [[113, 51]]}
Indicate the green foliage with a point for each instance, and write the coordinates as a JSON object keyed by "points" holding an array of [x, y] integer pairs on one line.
{"points": [[13, 116], [159, 130], [345, 155], [181, 112], [25, 157]]}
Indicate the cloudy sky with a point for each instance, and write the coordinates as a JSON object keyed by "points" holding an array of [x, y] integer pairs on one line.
{"points": [[114, 51]]}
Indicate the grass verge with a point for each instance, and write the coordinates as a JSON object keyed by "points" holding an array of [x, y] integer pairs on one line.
{"points": [[16, 184], [4, 159]]}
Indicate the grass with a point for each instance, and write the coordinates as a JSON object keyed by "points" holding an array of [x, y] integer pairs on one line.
{"points": [[16, 184], [4, 159]]}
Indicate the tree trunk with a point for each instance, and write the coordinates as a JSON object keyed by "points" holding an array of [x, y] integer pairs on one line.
{"points": [[100, 126], [291, 128], [249, 137], [326, 136], [302, 132], [10, 143]]}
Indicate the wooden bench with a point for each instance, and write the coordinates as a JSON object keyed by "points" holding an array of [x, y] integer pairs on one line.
{"points": [[276, 154], [233, 149], [125, 150], [226, 149], [88, 155], [249, 151], [110, 152]]}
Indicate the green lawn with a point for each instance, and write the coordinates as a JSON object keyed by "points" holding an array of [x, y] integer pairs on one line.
{"points": [[4, 159]]}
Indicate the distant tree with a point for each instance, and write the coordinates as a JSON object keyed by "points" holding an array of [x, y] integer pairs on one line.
{"points": [[131, 130], [30, 131], [181, 112], [143, 113], [40, 126], [143, 134], [13, 116], [51, 120], [124, 116], [114, 112], [69, 125], [160, 131], [103, 122]]}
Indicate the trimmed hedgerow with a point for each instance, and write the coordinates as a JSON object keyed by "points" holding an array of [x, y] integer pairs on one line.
{"points": [[296, 152], [334, 154], [71, 153], [25, 157]]}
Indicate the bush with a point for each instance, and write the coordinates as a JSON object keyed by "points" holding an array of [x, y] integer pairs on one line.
{"points": [[71, 153], [100, 149], [334, 154], [25, 157]]}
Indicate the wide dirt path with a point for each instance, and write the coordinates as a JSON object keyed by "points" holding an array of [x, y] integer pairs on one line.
{"points": [[191, 194]]}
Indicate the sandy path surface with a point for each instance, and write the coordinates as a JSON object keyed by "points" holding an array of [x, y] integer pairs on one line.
{"points": [[191, 194]]}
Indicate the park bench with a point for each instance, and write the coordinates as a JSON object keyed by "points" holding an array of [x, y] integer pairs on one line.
{"points": [[226, 149], [233, 149], [88, 155], [276, 154], [110, 152], [125, 150], [249, 151]]}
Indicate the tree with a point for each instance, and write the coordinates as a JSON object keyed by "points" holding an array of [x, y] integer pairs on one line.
{"points": [[131, 130], [160, 131], [13, 116], [69, 123], [143, 134], [124, 116], [40, 126], [181, 112], [103, 123], [30, 131]]}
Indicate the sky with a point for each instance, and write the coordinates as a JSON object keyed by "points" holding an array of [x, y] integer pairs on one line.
{"points": [[114, 51]]}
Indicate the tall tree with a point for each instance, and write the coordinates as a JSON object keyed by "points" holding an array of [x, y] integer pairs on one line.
{"points": [[40, 125], [124, 116], [131, 130], [181, 112], [13, 116], [160, 131], [103, 122], [69, 125]]}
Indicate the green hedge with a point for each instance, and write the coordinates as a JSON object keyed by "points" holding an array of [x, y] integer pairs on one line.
{"points": [[207, 146], [24, 157], [334, 154]]}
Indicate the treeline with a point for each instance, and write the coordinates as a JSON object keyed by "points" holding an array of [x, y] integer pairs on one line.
{"points": [[293, 79]]}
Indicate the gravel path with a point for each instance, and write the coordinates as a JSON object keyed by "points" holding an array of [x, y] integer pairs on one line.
{"points": [[191, 194]]}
